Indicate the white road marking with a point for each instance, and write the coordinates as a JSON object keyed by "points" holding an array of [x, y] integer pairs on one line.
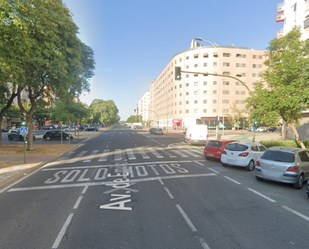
{"points": [[203, 243], [74, 160], [108, 182], [131, 155], [157, 155], [179, 153], [260, 194], [118, 156], [62, 231], [214, 171], [199, 163], [232, 180], [104, 156], [142, 152], [78, 202], [190, 224], [94, 152], [297, 213], [169, 193]]}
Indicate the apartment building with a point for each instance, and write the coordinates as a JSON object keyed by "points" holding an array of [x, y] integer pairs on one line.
{"points": [[143, 106], [293, 13], [202, 98]]}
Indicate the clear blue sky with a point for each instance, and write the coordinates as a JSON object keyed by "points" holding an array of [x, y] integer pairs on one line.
{"points": [[133, 40]]}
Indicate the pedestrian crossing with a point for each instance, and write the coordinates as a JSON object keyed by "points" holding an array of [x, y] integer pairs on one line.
{"points": [[131, 154]]}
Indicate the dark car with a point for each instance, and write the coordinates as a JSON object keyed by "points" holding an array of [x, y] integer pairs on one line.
{"points": [[91, 128], [214, 148], [56, 134], [48, 127], [271, 129], [15, 134], [156, 131]]}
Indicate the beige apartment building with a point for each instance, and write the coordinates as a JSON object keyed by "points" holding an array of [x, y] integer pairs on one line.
{"points": [[198, 98]]}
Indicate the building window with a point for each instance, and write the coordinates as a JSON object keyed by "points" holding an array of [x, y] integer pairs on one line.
{"points": [[225, 101], [226, 83], [240, 101], [205, 64], [195, 101], [204, 110], [187, 66], [187, 93], [214, 91], [195, 110], [196, 56], [240, 92], [240, 64], [205, 101], [187, 102], [180, 102], [187, 76], [205, 92], [187, 111], [180, 111], [180, 86], [226, 54], [205, 83], [257, 65], [214, 110], [196, 92], [180, 60], [215, 64], [196, 83], [225, 110], [195, 65], [180, 94], [215, 54], [214, 83], [187, 84], [195, 75], [214, 101], [187, 58], [225, 92], [226, 64], [226, 73], [239, 83], [205, 55]]}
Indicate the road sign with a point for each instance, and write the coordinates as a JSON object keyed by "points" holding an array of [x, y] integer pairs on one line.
{"points": [[23, 130]]}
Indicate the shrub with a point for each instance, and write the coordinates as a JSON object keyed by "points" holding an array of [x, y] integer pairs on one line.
{"points": [[286, 143]]}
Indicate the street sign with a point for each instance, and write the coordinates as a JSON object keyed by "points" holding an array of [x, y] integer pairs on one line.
{"points": [[23, 130]]}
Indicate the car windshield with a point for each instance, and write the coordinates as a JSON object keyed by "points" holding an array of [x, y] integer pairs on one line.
{"points": [[236, 147], [214, 143], [280, 156]]}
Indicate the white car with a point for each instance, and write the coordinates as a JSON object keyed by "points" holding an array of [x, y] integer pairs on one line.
{"points": [[261, 129], [242, 154]]}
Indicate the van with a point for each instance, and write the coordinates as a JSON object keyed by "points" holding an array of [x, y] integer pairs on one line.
{"points": [[196, 134]]}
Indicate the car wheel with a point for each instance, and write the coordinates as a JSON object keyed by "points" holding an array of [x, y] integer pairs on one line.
{"points": [[10, 138], [47, 138], [33, 138], [250, 166], [300, 182], [224, 164], [258, 178]]}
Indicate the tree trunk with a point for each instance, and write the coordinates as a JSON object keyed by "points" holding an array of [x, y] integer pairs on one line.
{"points": [[284, 130], [30, 146], [297, 136]]}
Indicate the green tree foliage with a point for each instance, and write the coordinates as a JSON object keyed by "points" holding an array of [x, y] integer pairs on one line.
{"points": [[54, 62], [134, 119], [104, 112], [284, 89]]}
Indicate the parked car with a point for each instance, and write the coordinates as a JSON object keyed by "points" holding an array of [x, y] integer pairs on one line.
{"points": [[284, 164], [261, 129], [242, 154], [91, 128], [5, 129], [156, 131], [15, 134], [80, 127], [48, 127], [271, 129], [56, 134], [307, 189], [214, 148]]}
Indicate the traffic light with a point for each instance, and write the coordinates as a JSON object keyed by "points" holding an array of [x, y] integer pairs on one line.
{"points": [[256, 122], [177, 73], [23, 123]]}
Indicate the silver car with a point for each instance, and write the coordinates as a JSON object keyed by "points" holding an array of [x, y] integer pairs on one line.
{"points": [[284, 164]]}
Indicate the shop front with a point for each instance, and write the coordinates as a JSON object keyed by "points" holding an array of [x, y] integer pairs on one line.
{"points": [[177, 124]]}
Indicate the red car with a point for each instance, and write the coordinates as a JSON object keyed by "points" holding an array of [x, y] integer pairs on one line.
{"points": [[214, 148]]}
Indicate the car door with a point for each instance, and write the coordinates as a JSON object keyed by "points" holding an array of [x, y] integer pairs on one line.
{"points": [[304, 162], [255, 152]]}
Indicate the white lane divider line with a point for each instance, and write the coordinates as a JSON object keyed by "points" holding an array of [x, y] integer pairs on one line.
{"points": [[296, 213], [78, 202], [215, 171], [260, 194], [232, 180], [203, 243], [199, 163], [62, 231], [169, 193], [186, 218]]}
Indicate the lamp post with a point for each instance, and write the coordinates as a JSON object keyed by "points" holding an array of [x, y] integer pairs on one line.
{"points": [[217, 121]]}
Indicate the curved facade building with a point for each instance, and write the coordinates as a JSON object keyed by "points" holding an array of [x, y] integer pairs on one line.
{"points": [[198, 98]]}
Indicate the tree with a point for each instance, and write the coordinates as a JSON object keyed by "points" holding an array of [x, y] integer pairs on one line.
{"points": [[104, 112], [234, 116], [134, 119], [56, 63], [284, 89]]}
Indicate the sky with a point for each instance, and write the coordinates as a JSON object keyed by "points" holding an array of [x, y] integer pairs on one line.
{"points": [[133, 40]]}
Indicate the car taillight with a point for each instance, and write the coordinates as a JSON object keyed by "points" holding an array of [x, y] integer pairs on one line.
{"points": [[223, 152], [293, 168], [257, 163], [244, 154]]}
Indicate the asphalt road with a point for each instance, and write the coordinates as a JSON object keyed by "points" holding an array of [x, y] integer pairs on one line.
{"points": [[130, 189]]}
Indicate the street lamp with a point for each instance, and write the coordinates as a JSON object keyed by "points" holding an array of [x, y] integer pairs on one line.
{"points": [[217, 121]]}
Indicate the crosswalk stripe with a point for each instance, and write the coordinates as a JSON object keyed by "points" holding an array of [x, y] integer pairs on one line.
{"points": [[192, 154], [73, 160], [157, 155], [142, 152], [104, 156], [118, 156], [94, 152], [131, 155]]}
